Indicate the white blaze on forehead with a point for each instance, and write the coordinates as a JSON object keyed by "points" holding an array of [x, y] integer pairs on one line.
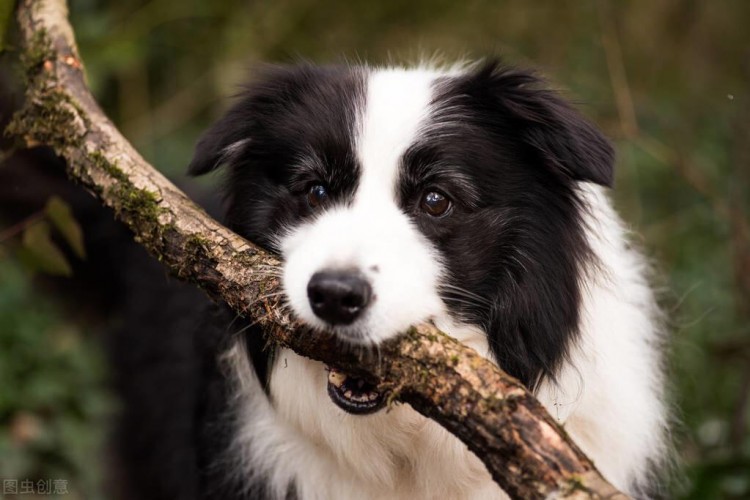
{"points": [[397, 105], [372, 234]]}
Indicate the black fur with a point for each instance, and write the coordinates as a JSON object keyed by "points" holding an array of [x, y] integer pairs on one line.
{"points": [[296, 124], [515, 237]]}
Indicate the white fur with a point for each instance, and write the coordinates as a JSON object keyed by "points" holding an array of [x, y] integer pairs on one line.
{"points": [[608, 395], [373, 235]]}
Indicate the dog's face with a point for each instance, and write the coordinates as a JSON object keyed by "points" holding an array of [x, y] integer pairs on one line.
{"points": [[399, 196]]}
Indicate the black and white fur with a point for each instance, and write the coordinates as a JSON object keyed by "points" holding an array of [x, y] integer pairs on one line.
{"points": [[530, 266]]}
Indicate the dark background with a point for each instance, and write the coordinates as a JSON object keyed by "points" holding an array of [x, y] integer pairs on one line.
{"points": [[668, 80]]}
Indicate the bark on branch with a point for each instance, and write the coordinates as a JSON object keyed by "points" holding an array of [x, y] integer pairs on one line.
{"points": [[525, 450]]}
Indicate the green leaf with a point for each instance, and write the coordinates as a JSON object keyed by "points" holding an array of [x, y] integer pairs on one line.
{"points": [[61, 216], [6, 14], [41, 253]]}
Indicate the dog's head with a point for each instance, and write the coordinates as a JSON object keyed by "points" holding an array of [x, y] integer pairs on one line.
{"points": [[397, 196]]}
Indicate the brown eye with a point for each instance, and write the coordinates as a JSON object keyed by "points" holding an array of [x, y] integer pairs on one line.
{"points": [[317, 195], [435, 203]]}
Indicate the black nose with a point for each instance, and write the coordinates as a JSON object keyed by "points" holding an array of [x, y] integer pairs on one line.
{"points": [[338, 297]]}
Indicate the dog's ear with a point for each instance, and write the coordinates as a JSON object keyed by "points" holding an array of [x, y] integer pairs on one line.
{"points": [[234, 132], [564, 139], [223, 140]]}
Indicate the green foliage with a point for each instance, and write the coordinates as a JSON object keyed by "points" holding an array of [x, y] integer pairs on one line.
{"points": [[39, 252], [6, 15], [52, 403], [59, 213]]}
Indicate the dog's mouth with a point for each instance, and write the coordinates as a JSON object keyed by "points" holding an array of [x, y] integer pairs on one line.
{"points": [[353, 394]]}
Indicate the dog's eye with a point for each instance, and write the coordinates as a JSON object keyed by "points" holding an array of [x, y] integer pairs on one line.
{"points": [[317, 195], [435, 203]]}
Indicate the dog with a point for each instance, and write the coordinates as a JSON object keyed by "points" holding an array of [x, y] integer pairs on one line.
{"points": [[473, 197]]}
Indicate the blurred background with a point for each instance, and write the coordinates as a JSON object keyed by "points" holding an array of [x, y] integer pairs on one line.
{"points": [[668, 80]]}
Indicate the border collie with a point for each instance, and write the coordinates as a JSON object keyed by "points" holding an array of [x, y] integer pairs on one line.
{"points": [[472, 197]]}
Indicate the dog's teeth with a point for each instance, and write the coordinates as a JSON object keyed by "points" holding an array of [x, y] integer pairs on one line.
{"points": [[336, 379], [357, 395]]}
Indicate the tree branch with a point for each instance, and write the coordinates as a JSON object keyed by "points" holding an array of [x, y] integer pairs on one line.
{"points": [[525, 450]]}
